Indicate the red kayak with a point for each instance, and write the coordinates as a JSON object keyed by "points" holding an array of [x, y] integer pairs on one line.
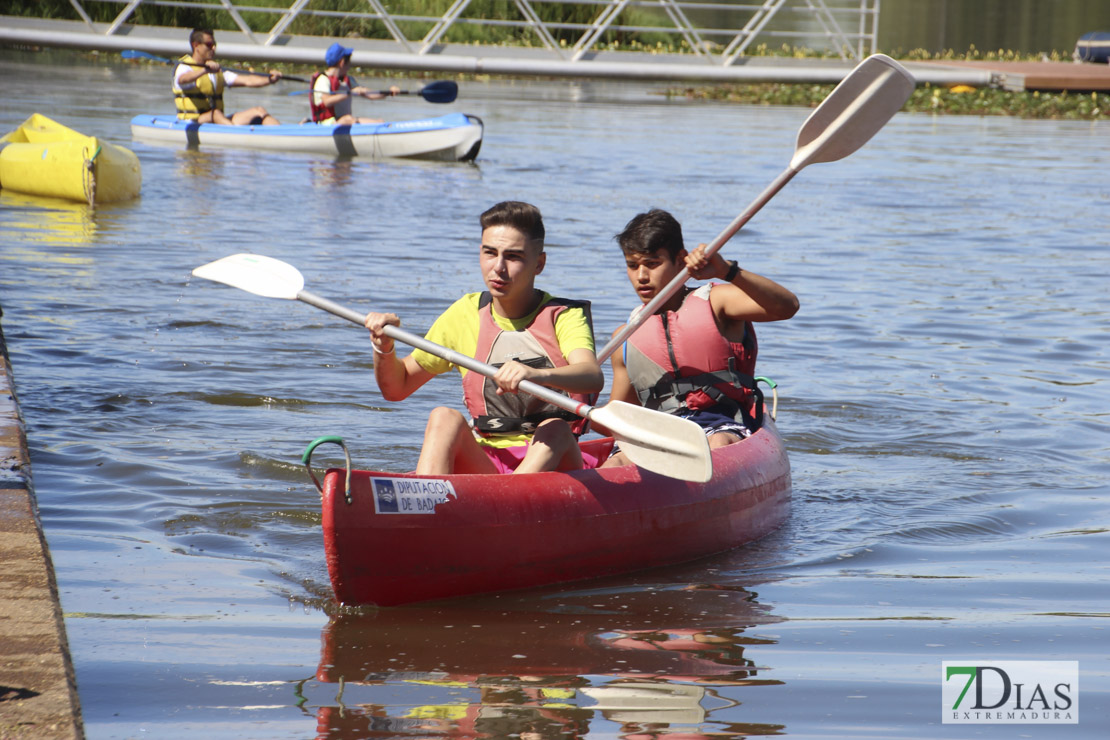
{"points": [[401, 538]]}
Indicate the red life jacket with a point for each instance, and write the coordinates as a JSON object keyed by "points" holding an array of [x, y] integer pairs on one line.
{"points": [[536, 346], [322, 112], [679, 360]]}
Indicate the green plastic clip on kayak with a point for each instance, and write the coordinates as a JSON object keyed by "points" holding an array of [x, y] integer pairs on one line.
{"points": [[306, 458]]}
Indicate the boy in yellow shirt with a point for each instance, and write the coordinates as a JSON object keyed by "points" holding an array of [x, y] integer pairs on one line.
{"points": [[527, 333]]}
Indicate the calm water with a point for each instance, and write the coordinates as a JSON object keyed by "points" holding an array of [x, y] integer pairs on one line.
{"points": [[944, 399]]}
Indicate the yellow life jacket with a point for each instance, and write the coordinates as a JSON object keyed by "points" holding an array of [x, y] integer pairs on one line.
{"points": [[191, 104]]}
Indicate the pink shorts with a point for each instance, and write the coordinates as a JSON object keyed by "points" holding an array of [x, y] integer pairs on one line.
{"points": [[506, 459]]}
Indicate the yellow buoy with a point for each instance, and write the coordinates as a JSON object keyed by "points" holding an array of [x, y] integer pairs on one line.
{"points": [[43, 157]]}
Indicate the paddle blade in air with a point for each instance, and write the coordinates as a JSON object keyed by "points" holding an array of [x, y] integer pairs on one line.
{"points": [[255, 273], [443, 91], [659, 442], [854, 111]]}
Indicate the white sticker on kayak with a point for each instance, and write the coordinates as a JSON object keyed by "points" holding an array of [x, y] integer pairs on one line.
{"points": [[410, 495]]}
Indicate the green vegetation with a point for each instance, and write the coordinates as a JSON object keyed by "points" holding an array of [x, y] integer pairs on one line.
{"points": [[350, 19], [973, 54], [960, 100], [954, 100], [106, 12]]}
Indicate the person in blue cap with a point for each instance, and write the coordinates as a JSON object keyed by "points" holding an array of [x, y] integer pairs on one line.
{"points": [[332, 90]]}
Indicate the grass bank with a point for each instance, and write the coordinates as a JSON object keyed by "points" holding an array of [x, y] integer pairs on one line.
{"points": [[953, 100], [959, 100]]}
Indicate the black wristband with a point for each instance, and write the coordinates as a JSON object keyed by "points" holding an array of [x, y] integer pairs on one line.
{"points": [[733, 271]]}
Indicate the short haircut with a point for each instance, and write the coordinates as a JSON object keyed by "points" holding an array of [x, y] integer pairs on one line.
{"points": [[649, 232], [198, 34], [524, 217]]}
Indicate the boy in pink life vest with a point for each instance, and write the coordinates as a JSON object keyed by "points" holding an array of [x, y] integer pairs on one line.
{"points": [[528, 333], [695, 357], [330, 101]]}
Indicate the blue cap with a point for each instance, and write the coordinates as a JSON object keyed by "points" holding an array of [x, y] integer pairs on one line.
{"points": [[335, 54]]}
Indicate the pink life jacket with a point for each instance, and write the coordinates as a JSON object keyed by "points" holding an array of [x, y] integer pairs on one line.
{"points": [[536, 346], [321, 112], [679, 360]]}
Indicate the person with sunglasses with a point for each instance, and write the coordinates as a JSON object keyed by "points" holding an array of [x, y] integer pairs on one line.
{"points": [[199, 82]]}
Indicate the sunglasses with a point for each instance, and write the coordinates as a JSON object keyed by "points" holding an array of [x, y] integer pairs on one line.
{"points": [[209, 44]]}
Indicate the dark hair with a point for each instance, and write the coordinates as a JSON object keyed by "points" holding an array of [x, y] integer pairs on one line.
{"points": [[649, 232], [524, 217], [198, 34]]}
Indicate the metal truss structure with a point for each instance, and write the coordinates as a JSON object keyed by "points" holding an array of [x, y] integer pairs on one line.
{"points": [[722, 34]]}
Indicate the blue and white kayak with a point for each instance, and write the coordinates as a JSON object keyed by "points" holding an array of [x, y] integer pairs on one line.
{"points": [[453, 137]]}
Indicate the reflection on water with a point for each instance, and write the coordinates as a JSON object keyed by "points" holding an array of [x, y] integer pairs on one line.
{"points": [[196, 164], [332, 175], [648, 659], [47, 220]]}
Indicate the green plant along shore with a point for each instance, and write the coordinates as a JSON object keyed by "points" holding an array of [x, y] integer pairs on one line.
{"points": [[955, 100], [926, 99]]}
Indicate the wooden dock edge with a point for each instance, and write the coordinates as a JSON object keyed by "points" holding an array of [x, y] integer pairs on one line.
{"points": [[38, 689]]}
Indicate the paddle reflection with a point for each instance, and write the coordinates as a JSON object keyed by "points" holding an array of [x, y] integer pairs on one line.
{"points": [[334, 174], [205, 166], [640, 663]]}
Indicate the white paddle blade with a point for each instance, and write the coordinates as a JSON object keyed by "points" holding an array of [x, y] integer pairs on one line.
{"points": [[854, 111], [255, 273], [661, 443]]}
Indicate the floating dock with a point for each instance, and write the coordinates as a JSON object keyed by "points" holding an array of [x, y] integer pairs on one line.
{"points": [[1039, 76]]}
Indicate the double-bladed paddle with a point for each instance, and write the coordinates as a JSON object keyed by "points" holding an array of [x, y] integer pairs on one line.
{"points": [[655, 441], [852, 113], [134, 54], [441, 91]]}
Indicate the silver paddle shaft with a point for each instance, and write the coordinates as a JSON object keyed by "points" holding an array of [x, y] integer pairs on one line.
{"points": [[680, 279], [535, 389], [852, 113]]}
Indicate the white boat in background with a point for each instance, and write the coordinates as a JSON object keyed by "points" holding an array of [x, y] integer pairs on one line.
{"points": [[452, 137]]}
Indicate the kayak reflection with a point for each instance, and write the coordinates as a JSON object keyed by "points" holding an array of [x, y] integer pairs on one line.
{"points": [[651, 660]]}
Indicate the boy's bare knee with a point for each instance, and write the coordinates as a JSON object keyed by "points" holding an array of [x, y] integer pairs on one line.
{"points": [[443, 413], [554, 432], [616, 460], [443, 418]]}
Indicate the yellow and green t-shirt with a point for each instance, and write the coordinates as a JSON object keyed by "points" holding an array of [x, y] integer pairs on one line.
{"points": [[457, 329]]}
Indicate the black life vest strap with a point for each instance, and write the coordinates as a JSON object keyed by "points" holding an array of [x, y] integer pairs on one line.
{"points": [[669, 394], [200, 98], [496, 425]]}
